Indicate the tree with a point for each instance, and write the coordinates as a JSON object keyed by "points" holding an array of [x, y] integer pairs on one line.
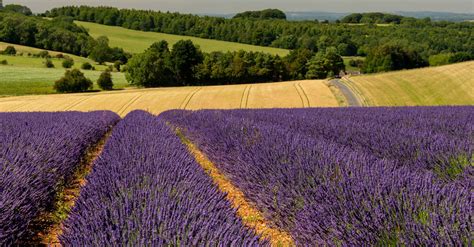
{"points": [[297, 61], [390, 57], [73, 81], [10, 50], [87, 66], [324, 65], [48, 63], [117, 65], [101, 51], [184, 57], [105, 81], [262, 14], [18, 9], [68, 62], [151, 68]]}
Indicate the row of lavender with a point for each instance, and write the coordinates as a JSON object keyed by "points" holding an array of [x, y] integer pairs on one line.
{"points": [[399, 176], [37, 152], [147, 190]]}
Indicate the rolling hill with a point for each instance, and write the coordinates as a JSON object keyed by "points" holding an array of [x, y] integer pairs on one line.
{"points": [[269, 95], [444, 85], [137, 41]]}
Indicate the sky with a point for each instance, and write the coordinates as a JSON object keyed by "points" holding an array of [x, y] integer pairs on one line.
{"points": [[234, 6]]}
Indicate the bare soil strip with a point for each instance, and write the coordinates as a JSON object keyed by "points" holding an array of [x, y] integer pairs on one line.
{"points": [[249, 214], [48, 226]]}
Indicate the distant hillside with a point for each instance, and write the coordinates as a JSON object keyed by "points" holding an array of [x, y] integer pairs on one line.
{"points": [[137, 41]]}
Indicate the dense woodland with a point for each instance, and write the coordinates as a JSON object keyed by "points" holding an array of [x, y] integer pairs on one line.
{"points": [[421, 35], [58, 34], [185, 64], [262, 14], [377, 18]]}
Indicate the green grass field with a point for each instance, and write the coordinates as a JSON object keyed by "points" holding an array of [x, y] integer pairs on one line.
{"points": [[137, 41], [23, 60], [21, 80], [348, 66], [443, 85]]}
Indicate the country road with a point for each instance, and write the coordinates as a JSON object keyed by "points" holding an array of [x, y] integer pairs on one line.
{"points": [[352, 99]]}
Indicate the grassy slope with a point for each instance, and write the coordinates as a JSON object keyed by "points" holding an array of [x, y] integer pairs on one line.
{"points": [[444, 85], [27, 75], [17, 80], [137, 41], [25, 61], [278, 95]]}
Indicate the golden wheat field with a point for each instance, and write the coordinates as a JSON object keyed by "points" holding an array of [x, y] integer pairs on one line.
{"points": [[312, 93], [443, 85]]}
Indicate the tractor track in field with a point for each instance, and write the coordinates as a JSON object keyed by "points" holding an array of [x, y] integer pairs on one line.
{"points": [[128, 104], [303, 96], [188, 99], [250, 215], [76, 104], [48, 226]]}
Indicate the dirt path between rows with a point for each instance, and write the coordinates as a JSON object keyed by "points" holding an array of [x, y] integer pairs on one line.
{"points": [[250, 215], [66, 197]]}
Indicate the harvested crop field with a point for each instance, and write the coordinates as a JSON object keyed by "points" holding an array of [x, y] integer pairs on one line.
{"points": [[268, 95], [443, 85]]}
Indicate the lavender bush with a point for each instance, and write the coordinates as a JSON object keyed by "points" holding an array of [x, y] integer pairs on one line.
{"points": [[351, 176], [147, 190], [37, 152]]}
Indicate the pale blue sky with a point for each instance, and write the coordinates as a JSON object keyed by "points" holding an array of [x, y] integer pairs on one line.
{"points": [[233, 6]]}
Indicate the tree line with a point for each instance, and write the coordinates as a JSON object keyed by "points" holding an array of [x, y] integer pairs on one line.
{"points": [[421, 35], [58, 34], [262, 14], [375, 18], [186, 64]]}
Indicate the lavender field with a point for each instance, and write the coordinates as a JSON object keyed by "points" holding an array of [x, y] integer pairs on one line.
{"points": [[368, 176], [147, 190], [401, 176], [38, 151]]}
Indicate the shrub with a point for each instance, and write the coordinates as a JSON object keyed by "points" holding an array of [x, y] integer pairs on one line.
{"points": [[10, 50], [117, 65], [357, 63], [73, 81], [68, 62], [44, 54], [48, 63], [4, 62], [105, 81], [87, 66]]}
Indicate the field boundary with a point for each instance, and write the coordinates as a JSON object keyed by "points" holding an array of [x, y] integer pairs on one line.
{"points": [[49, 225], [251, 217]]}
